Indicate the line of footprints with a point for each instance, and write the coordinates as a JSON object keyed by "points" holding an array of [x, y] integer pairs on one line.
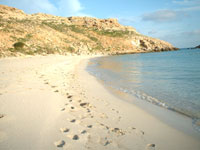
{"points": [[61, 143]]}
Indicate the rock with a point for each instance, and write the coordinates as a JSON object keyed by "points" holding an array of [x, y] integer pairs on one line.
{"points": [[197, 46]]}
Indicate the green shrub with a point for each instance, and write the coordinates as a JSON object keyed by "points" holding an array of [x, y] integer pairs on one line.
{"points": [[76, 29], [18, 45], [70, 49], [93, 38]]}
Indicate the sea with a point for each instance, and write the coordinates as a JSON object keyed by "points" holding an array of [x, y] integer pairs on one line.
{"points": [[168, 79]]}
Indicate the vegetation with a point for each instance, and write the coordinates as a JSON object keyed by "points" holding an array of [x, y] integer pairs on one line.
{"points": [[77, 29], [113, 33], [92, 38], [98, 46], [70, 49], [18, 45], [62, 27], [58, 27]]}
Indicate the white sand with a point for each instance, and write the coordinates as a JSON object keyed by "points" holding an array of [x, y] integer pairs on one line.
{"points": [[39, 112]]}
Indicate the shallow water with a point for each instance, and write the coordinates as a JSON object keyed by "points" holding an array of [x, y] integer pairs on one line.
{"points": [[169, 79]]}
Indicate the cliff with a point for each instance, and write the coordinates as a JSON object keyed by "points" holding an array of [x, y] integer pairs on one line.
{"points": [[22, 33]]}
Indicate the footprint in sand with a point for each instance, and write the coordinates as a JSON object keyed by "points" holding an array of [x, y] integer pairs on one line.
{"points": [[115, 110], [1, 115], [89, 126], [41, 76], [73, 120], [62, 109], [60, 143], [133, 128], [84, 104], [142, 132], [150, 147], [102, 115], [88, 110], [64, 130], [56, 91], [105, 141], [75, 137], [83, 132], [70, 96], [118, 131]]}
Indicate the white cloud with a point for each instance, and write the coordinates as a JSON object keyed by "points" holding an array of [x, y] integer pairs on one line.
{"points": [[152, 32], [167, 15], [31, 6], [182, 39], [69, 7], [59, 7], [182, 2], [186, 2], [161, 16], [193, 8], [192, 33]]}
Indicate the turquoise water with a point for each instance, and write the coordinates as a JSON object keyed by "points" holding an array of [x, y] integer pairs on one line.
{"points": [[167, 79]]}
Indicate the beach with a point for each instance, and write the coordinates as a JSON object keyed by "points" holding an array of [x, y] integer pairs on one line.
{"points": [[52, 102]]}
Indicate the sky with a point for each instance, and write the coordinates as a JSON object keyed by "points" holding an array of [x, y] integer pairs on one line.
{"points": [[175, 21]]}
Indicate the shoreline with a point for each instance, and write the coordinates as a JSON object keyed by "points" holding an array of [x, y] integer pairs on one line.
{"points": [[181, 129], [52, 102], [133, 94], [176, 120]]}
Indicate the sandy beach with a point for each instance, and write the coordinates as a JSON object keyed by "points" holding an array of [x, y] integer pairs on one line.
{"points": [[52, 102]]}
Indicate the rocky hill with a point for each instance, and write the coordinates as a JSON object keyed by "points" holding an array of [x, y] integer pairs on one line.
{"points": [[197, 46], [43, 34]]}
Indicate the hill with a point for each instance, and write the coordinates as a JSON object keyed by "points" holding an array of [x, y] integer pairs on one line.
{"points": [[43, 34]]}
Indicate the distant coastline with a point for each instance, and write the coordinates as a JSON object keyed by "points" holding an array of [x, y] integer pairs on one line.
{"points": [[194, 47]]}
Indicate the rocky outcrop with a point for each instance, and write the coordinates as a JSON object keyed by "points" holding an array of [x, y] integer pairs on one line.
{"points": [[197, 46], [46, 34]]}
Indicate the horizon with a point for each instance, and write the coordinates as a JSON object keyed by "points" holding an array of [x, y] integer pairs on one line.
{"points": [[175, 21]]}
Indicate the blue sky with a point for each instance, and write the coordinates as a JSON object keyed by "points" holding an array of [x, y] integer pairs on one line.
{"points": [[176, 21]]}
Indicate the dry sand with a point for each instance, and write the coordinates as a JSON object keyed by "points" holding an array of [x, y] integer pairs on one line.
{"points": [[51, 102]]}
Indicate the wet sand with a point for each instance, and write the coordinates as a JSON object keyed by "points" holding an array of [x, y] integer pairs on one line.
{"points": [[51, 102]]}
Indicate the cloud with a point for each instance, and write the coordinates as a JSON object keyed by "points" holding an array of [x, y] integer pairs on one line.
{"points": [[182, 39], [183, 2], [168, 15], [187, 9], [59, 7], [69, 7], [127, 20], [186, 2], [162, 16], [152, 32], [192, 33], [32, 6]]}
